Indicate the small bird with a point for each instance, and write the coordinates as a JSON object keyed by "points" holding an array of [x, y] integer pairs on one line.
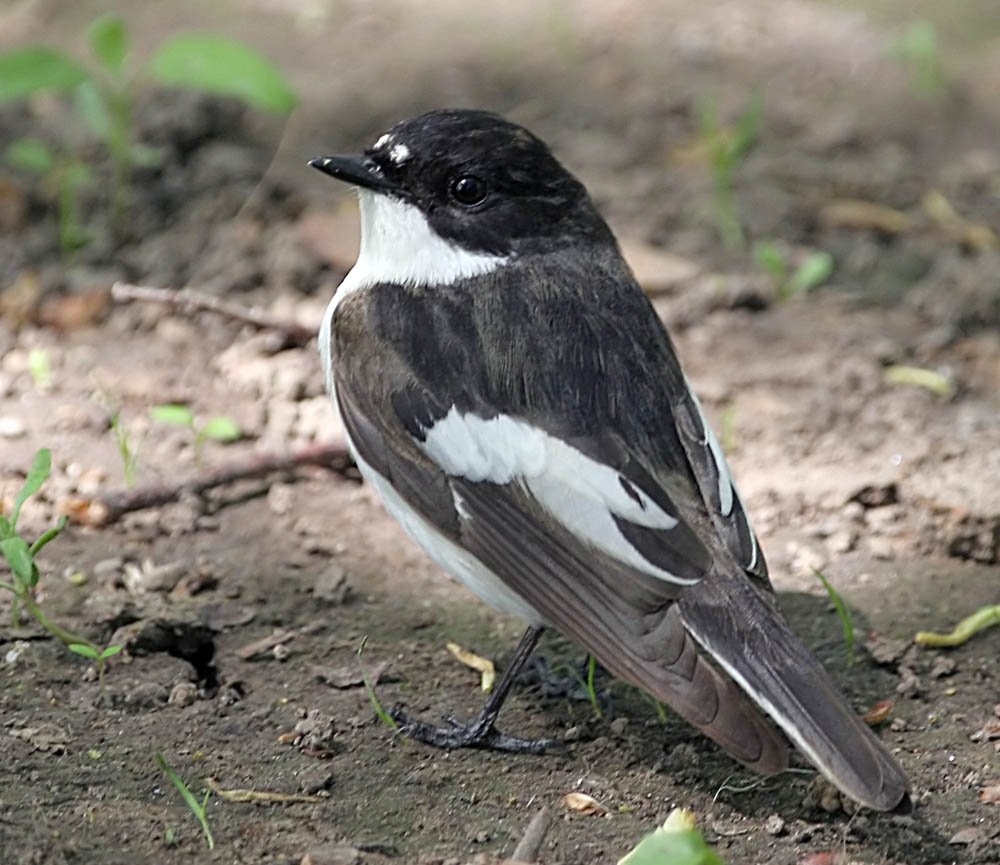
{"points": [[512, 396]]}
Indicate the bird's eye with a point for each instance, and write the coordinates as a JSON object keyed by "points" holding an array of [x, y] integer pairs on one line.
{"points": [[468, 190]]}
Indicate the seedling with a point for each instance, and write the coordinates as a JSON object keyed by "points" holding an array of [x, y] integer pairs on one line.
{"points": [[105, 94], [129, 454], [40, 367], [88, 651], [21, 557], [380, 712], [726, 148], [918, 51], [587, 683], [846, 620], [197, 808], [815, 269], [220, 428]]}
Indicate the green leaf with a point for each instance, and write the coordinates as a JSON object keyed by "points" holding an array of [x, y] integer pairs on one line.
{"points": [[41, 468], [771, 261], [83, 649], [676, 842], [18, 556], [109, 42], [846, 620], [145, 156], [30, 155], [109, 652], [37, 69], [812, 273], [48, 536], [198, 809], [221, 429], [6, 529], [217, 65], [93, 108], [172, 413]]}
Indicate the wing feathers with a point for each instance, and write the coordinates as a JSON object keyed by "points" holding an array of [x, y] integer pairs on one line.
{"points": [[759, 651]]}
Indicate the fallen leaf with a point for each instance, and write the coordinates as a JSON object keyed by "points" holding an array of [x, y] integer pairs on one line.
{"points": [[583, 804], [987, 733], [74, 311], [483, 665], [858, 214], [990, 795], [878, 713]]}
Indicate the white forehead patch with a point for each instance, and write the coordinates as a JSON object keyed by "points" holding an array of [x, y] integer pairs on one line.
{"points": [[399, 153], [382, 142]]}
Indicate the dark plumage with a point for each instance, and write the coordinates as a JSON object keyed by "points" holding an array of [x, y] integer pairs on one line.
{"points": [[520, 407]]}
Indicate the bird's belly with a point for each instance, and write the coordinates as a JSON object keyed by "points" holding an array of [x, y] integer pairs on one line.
{"points": [[459, 563]]}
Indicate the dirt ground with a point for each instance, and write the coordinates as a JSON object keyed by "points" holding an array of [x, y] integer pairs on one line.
{"points": [[890, 489]]}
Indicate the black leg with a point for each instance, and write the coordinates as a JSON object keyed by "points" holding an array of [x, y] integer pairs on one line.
{"points": [[482, 732]]}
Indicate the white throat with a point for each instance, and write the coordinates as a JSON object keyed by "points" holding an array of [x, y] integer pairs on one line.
{"points": [[399, 246]]}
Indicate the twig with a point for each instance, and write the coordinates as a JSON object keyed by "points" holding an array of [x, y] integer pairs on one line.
{"points": [[530, 845], [102, 510], [187, 300]]}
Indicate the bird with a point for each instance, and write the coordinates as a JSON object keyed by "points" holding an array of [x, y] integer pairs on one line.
{"points": [[510, 393]]}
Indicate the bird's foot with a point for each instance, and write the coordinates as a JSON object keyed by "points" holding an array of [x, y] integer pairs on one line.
{"points": [[481, 733]]}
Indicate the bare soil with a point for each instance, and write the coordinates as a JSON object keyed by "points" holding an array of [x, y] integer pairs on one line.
{"points": [[889, 489]]}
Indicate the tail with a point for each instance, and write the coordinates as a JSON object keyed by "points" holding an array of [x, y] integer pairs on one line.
{"points": [[754, 645]]}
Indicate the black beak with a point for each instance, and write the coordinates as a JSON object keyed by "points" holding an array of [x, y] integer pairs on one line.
{"points": [[355, 170]]}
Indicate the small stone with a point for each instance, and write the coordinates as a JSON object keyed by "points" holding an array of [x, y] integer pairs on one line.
{"points": [[281, 652], [316, 778], [338, 854], [943, 666], [481, 837], [881, 548], [618, 726], [183, 694], [12, 427], [842, 541], [315, 732], [910, 685], [968, 835], [332, 586], [775, 825], [147, 695], [573, 734], [898, 725], [886, 651], [108, 568]]}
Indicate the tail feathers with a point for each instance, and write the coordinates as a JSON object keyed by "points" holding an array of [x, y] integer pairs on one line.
{"points": [[686, 682], [757, 649]]}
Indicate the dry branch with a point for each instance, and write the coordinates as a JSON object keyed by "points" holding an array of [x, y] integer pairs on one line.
{"points": [[103, 510], [187, 300]]}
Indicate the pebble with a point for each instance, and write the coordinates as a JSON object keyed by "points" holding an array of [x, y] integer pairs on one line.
{"points": [[775, 825], [315, 778], [618, 726], [943, 666], [338, 854], [332, 586], [12, 427], [183, 694]]}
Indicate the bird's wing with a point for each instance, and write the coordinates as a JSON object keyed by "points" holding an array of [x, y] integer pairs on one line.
{"points": [[587, 480]]}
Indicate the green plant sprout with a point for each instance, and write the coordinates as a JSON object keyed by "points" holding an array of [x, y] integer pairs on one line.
{"points": [[676, 842], [918, 51], [129, 454], [61, 177], [377, 707], [197, 808], [220, 428], [843, 613], [587, 683], [726, 148], [815, 269], [661, 711], [21, 557], [40, 368], [104, 97]]}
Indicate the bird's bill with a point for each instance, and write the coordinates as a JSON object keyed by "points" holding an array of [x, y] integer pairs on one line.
{"points": [[355, 170]]}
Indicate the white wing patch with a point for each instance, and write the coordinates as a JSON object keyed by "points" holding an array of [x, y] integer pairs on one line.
{"points": [[582, 494], [727, 487]]}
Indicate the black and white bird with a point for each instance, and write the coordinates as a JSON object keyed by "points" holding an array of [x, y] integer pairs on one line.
{"points": [[510, 393]]}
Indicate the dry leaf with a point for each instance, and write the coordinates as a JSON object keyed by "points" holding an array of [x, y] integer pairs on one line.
{"points": [[990, 795], [855, 213], [878, 713], [989, 732], [583, 804], [483, 665], [45, 737]]}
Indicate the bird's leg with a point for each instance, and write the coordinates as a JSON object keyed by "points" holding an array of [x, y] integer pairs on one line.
{"points": [[482, 732]]}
